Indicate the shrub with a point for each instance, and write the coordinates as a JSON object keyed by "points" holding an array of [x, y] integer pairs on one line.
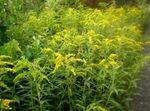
{"points": [[11, 49]]}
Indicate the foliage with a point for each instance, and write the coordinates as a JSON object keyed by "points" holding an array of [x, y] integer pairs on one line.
{"points": [[32, 85], [9, 13], [4, 82], [73, 59], [106, 23], [11, 49], [12, 12]]}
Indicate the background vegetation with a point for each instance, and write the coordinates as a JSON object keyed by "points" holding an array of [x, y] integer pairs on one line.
{"points": [[70, 55]]}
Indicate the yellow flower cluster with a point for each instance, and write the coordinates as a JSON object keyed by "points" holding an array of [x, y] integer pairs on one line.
{"points": [[47, 50], [3, 57], [5, 103], [33, 18]]}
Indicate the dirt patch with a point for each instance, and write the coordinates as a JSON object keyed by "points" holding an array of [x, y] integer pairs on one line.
{"points": [[141, 102]]}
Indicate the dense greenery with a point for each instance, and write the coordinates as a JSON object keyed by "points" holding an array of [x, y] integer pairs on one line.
{"points": [[60, 56]]}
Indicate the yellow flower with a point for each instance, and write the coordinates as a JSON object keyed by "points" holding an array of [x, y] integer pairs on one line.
{"points": [[106, 66], [104, 23], [2, 63], [103, 109], [135, 29], [102, 61], [32, 18], [113, 56], [46, 50], [113, 63], [18, 49], [6, 102], [91, 33], [2, 57], [46, 8]]}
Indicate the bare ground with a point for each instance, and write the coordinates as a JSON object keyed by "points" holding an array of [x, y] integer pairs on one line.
{"points": [[141, 102]]}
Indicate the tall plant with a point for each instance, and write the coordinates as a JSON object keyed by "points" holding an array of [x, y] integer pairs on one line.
{"points": [[5, 83]]}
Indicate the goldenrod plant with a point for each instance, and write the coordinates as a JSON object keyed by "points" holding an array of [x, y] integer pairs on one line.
{"points": [[73, 58], [4, 80]]}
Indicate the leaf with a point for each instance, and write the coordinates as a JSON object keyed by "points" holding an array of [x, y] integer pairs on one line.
{"points": [[2, 84], [19, 77]]}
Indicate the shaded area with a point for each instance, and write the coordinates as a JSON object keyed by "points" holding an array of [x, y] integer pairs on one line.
{"points": [[141, 102]]}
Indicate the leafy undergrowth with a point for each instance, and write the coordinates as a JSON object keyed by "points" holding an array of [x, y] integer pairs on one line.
{"points": [[72, 59]]}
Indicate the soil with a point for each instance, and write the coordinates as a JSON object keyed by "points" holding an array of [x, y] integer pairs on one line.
{"points": [[141, 102]]}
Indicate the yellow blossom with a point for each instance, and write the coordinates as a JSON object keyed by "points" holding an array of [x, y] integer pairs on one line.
{"points": [[113, 56], [113, 63], [46, 50], [32, 18], [6, 102]]}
